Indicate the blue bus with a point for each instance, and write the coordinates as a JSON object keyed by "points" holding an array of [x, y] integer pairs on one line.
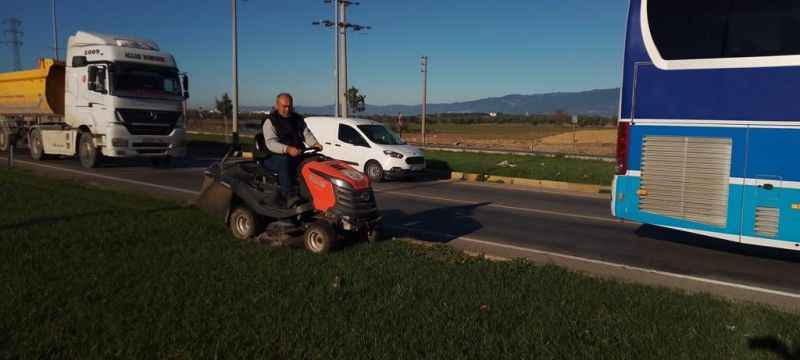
{"points": [[709, 124]]}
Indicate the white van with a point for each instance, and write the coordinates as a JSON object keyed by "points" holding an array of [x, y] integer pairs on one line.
{"points": [[367, 145]]}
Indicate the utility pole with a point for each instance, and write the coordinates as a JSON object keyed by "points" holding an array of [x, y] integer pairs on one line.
{"points": [[341, 27], [55, 30], [424, 95], [235, 114], [14, 39]]}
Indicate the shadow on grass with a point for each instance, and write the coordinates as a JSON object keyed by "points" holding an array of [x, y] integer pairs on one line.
{"points": [[440, 225], [50, 220], [681, 237], [775, 346]]}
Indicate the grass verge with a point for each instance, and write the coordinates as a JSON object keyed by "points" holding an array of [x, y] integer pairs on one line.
{"points": [[529, 167], [88, 273]]}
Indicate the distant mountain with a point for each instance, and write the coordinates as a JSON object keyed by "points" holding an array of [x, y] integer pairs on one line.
{"points": [[594, 102]]}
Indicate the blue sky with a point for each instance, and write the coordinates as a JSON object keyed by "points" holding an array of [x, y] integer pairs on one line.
{"points": [[476, 48]]}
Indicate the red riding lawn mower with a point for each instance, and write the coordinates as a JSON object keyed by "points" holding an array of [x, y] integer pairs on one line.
{"points": [[335, 200]]}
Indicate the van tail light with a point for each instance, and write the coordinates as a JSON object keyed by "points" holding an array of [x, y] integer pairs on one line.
{"points": [[623, 144]]}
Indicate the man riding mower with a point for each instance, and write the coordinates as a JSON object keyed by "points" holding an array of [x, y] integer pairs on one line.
{"points": [[330, 198]]}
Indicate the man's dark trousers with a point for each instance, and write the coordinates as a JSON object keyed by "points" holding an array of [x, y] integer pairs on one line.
{"points": [[286, 167]]}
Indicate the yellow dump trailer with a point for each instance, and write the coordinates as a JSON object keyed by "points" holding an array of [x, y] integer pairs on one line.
{"points": [[33, 92]]}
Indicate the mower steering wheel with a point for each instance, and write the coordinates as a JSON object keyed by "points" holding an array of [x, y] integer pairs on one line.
{"points": [[310, 151]]}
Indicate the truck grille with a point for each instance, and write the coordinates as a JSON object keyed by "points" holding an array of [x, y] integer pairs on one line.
{"points": [[415, 160], [148, 122]]}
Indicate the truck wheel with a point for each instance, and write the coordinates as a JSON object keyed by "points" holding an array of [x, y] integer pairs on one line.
{"points": [[320, 237], [89, 155], [245, 224], [374, 171], [35, 145]]}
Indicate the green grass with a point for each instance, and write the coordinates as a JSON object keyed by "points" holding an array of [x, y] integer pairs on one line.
{"points": [[97, 274], [530, 167]]}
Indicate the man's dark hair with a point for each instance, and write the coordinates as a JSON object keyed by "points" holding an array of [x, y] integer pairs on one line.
{"points": [[286, 95]]}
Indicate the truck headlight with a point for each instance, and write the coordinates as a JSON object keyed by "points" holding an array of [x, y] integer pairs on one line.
{"points": [[393, 154]]}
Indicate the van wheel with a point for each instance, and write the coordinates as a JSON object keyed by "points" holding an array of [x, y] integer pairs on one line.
{"points": [[374, 171], [35, 145], [89, 154], [245, 224]]}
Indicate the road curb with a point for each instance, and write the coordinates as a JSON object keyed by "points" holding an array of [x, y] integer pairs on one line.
{"points": [[532, 183]]}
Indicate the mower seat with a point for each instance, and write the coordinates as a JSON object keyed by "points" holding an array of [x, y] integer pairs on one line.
{"points": [[261, 144]]}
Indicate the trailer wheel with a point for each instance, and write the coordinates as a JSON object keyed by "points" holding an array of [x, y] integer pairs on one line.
{"points": [[89, 154], [245, 224], [320, 237], [35, 145], [5, 138]]}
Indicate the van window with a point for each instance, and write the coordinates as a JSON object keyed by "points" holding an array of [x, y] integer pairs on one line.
{"points": [[351, 136], [710, 29], [379, 134]]}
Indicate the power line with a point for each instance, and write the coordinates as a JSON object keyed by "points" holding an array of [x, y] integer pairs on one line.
{"points": [[342, 26], [13, 37]]}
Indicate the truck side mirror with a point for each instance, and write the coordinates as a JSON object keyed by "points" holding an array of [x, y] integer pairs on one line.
{"points": [[185, 82]]}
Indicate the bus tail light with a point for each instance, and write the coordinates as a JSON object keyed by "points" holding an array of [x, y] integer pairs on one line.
{"points": [[623, 144]]}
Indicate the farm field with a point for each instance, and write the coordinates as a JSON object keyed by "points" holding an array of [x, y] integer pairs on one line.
{"points": [[517, 137]]}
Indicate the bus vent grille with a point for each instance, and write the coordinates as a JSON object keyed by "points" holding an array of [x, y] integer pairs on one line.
{"points": [[686, 178], [767, 221]]}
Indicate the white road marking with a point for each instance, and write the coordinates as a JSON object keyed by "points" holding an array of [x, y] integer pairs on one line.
{"points": [[604, 263], [473, 240], [112, 178]]}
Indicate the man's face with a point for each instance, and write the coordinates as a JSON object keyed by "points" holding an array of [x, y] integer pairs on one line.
{"points": [[284, 106]]}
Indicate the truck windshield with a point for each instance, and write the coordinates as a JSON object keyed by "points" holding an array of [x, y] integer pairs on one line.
{"points": [[139, 80], [379, 134]]}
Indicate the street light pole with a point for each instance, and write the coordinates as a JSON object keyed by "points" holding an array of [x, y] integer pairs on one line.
{"points": [[336, 58], [341, 28], [235, 115], [424, 95], [55, 29]]}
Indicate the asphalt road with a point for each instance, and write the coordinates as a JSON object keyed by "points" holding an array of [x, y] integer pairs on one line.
{"points": [[513, 222]]}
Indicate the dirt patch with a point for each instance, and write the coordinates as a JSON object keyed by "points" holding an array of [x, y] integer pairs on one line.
{"points": [[598, 142]]}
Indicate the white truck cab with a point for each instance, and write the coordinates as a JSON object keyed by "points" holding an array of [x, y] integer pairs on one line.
{"points": [[124, 97]]}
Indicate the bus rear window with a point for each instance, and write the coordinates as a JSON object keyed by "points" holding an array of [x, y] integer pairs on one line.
{"points": [[712, 29]]}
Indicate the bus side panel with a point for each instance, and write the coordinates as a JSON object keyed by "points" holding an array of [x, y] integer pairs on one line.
{"points": [[772, 187], [629, 206], [758, 94]]}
